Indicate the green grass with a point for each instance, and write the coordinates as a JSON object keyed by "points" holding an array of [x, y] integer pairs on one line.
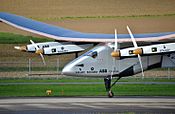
{"points": [[68, 79], [79, 79], [10, 38], [101, 17], [85, 89]]}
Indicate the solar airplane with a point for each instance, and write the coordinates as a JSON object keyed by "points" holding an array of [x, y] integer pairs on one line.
{"points": [[112, 55]]}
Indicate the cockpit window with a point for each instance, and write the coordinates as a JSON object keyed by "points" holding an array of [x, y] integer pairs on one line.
{"points": [[93, 54]]}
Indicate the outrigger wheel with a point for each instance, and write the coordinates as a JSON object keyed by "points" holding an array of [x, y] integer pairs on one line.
{"points": [[108, 85]]}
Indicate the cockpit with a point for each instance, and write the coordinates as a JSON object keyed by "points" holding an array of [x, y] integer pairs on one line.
{"points": [[92, 54], [88, 63]]}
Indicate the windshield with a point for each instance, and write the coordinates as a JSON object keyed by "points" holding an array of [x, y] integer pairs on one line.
{"points": [[93, 54]]}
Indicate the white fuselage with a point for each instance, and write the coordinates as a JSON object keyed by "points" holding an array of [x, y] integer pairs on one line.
{"points": [[99, 63]]}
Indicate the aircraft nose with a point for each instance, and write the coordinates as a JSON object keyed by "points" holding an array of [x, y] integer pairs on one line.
{"points": [[67, 71], [72, 68]]}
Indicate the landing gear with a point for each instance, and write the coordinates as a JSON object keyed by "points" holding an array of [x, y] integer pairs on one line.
{"points": [[108, 85], [110, 94]]}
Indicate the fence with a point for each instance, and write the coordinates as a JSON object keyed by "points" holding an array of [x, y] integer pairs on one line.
{"points": [[35, 68], [30, 68]]}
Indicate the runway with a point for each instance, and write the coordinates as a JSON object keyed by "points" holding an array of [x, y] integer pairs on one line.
{"points": [[88, 105]]}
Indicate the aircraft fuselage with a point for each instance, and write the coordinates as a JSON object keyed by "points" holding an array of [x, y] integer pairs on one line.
{"points": [[98, 62]]}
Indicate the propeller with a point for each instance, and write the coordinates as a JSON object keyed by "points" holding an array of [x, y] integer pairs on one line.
{"points": [[137, 51], [116, 43], [116, 52], [38, 51]]}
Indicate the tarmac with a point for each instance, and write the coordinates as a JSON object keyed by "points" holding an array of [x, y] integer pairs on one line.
{"points": [[87, 105]]}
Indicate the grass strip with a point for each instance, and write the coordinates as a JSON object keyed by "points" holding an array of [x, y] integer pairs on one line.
{"points": [[87, 90], [10, 38], [101, 17], [79, 79]]}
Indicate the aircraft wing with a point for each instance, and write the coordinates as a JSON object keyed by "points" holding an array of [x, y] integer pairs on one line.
{"points": [[62, 34]]}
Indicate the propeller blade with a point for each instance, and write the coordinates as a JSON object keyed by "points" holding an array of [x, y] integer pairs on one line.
{"points": [[136, 46], [132, 37], [141, 66], [41, 55], [115, 49], [116, 42], [34, 45]]}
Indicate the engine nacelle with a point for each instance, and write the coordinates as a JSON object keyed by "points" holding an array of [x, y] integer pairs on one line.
{"points": [[138, 51], [52, 48], [31, 48], [60, 49], [148, 50], [115, 54]]}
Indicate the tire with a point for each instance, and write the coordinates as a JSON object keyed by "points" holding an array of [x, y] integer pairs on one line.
{"points": [[110, 94]]}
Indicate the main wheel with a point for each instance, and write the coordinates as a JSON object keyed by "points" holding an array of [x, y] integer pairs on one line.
{"points": [[110, 94]]}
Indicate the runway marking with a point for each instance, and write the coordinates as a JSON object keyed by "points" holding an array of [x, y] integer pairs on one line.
{"points": [[88, 100], [159, 106], [86, 105], [90, 105], [9, 107], [39, 105], [27, 107]]}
